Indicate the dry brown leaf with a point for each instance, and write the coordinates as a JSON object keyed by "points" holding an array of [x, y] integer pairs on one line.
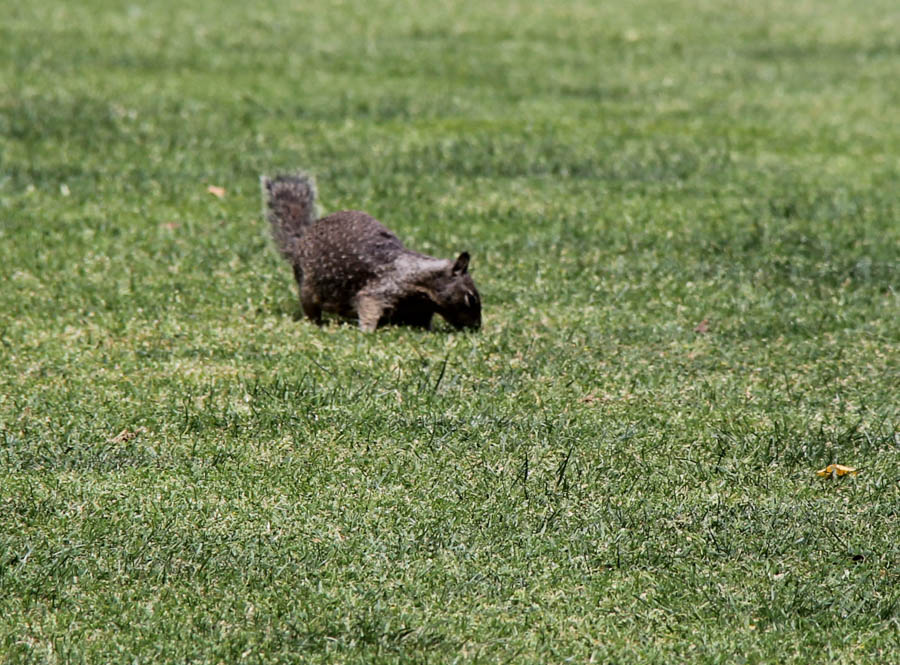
{"points": [[218, 192], [837, 470], [702, 327], [126, 435]]}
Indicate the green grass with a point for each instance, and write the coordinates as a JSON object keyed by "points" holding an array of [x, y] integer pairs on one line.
{"points": [[589, 478]]}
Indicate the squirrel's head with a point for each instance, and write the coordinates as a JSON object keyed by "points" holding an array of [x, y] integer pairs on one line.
{"points": [[457, 296]]}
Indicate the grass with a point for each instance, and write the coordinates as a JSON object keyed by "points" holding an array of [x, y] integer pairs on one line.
{"points": [[189, 473]]}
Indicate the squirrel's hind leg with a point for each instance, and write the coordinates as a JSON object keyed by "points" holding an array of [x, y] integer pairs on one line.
{"points": [[311, 306], [313, 312], [298, 275]]}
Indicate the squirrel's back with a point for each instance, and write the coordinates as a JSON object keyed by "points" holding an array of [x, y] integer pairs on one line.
{"points": [[341, 253]]}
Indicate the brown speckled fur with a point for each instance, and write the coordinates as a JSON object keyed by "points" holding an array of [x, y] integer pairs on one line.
{"points": [[350, 264]]}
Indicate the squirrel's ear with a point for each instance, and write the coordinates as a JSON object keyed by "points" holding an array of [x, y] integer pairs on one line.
{"points": [[462, 264]]}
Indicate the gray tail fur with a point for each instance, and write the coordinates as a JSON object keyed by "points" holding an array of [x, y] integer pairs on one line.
{"points": [[290, 206]]}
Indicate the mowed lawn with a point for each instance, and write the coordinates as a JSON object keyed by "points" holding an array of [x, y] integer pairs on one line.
{"points": [[684, 222]]}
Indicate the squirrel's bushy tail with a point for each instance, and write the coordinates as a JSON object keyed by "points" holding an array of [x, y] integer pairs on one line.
{"points": [[290, 206]]}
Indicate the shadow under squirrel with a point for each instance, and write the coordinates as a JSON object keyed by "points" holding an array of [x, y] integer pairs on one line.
{"points": [[350, 264]]}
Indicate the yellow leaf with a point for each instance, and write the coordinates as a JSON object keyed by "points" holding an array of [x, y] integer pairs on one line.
{"points": [[218, 192], [837, 470]]}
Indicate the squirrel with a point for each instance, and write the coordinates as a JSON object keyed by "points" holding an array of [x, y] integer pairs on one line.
{"points": [[348, 263]]}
